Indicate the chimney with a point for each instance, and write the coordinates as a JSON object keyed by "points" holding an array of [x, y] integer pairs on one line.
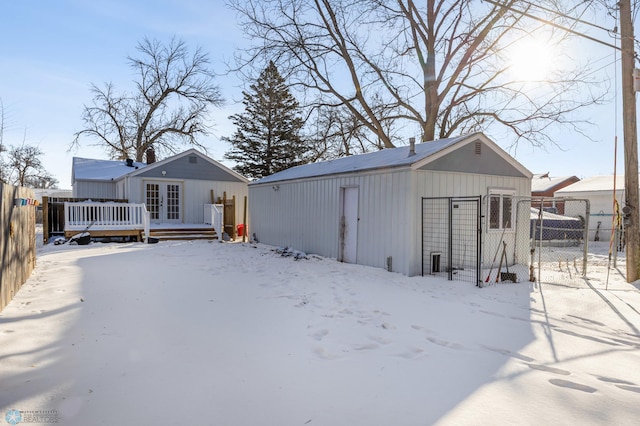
{"points": [[151, 155], [412, 146], [129, 162]]}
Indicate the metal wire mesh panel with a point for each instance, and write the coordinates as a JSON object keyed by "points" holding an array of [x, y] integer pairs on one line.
{"points": [[435, 235], [450, 238]]}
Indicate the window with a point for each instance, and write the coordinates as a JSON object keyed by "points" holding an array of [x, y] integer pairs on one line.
{"points": [[501, 209]]}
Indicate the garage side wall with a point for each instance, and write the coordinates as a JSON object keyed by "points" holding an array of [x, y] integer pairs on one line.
{"points": [[305, 215], [455, 184]]}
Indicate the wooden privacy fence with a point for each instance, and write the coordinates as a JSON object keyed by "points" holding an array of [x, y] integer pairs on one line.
{"points": [[106, 219], [17, 239]]}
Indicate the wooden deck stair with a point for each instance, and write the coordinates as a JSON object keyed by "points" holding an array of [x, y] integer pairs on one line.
{"points": [[168, 234]]}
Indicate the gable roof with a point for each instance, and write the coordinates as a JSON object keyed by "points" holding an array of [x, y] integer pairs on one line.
{"points": [[113, 170], [189, 152], [100, 170], [388, 158]]}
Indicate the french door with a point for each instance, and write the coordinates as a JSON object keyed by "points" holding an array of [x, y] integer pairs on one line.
{"points": [[164, 201]]}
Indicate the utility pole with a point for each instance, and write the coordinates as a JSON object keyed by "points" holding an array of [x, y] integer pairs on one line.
{"points": [[631, 189]]}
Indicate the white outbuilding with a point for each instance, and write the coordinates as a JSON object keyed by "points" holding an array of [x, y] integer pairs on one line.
{"points": [[599, 191], [420, 209]]}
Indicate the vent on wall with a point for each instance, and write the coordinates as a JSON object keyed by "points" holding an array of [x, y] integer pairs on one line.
{"points": [[478, 147], [193, 159]]}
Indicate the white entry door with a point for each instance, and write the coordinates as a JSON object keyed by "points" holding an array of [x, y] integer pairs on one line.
{"points": [[349, 225], [164, 201]]}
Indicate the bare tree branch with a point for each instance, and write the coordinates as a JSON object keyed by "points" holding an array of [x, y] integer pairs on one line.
{"points": [[169, 106], [437, 65]]}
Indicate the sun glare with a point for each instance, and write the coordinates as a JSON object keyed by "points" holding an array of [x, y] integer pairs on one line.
{"points": [[531, 60]]}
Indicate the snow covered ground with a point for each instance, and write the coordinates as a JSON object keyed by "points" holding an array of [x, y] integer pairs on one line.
{"points": [[208, 333]]}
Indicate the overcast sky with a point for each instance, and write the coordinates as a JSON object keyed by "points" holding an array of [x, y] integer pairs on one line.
{"points": [[52, 51]]}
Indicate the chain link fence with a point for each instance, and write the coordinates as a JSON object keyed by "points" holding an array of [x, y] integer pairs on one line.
{"points": [[546, 243]]}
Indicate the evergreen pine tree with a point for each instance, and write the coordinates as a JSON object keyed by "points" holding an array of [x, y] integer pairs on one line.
{"points": [[267, 139]]}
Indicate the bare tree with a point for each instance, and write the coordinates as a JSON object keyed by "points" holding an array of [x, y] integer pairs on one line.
{"points": [[26, 167], [437, 66], [336, 133], [173, 93]]}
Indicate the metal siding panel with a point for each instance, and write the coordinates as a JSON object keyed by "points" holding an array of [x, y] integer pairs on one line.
{"points": [[305, 215], [104, 190], [88, 189]]}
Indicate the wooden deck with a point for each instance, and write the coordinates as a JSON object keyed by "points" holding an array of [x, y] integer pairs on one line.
{"points": [[107, 220]]}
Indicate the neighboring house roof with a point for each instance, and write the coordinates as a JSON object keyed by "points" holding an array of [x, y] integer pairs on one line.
{"points": [[546, 183], [192, 151], [387, 158], [113, 170], [593, 184], [101, 170], [38, 193]]}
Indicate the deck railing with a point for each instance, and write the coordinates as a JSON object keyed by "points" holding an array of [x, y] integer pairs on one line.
{"points": [[214, 214], [88, 215]]}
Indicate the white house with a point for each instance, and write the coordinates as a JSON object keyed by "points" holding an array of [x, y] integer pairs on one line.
{"points": [[415, 209], [174, 190], [598, 190]]}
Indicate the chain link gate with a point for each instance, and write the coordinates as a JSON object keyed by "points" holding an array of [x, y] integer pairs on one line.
{"points": [[451, 238], [559, 244], [548, 244]]}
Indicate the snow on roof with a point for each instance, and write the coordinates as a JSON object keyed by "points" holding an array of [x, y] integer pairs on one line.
{"points": [[389, 157], [535, 214], [38, 193], [594, 183], [544, 182], [91, 169]]}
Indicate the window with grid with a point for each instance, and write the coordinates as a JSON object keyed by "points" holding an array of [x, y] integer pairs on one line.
{"points": [[153, 200], [501, 209], [173, 202]]}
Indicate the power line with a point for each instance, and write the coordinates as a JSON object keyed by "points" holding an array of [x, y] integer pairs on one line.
{"points": [[545, 21], [577, 20]]}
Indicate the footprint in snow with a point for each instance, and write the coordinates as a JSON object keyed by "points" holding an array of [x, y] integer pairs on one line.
{"points": [[621, 384], [365, 346], [572, 385], [380, 340], [412, 353], [446, 344], [549, 369], [509, 353], [629, 388], [319, 335], [324, 354], [615, 381], [491, 313]]}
